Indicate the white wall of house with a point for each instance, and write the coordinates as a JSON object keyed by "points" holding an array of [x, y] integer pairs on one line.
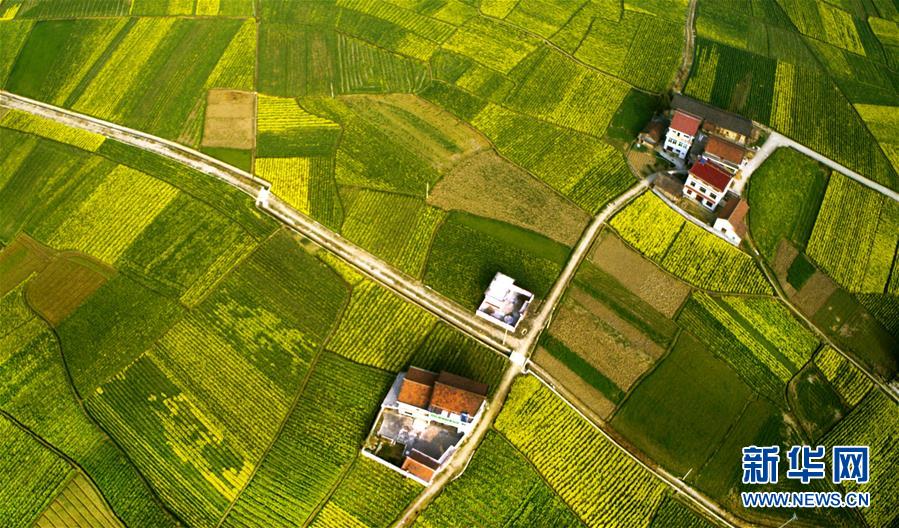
{"points": [[678, 142], [723, 226], [700, 192]]}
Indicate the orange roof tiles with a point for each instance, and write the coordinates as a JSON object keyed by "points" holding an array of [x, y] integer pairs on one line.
{"points": [[725, 150], [458, 395], [420, 465], [417, 387]]}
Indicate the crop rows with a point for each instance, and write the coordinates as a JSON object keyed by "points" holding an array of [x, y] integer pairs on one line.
{"points": [[873, 423], [36, 392], [385, 34], [848, 381], [78, 505], [752, 351], [402, 238], [50, 129], [686, 250], [673, 513], [366, 68], [104, 94], [114, 215], [598, 481], [31, 475], [499, 488], [649, 225], [202, 361], [493, 45], [319, 440], [229, 258], [775, 322], [379, 328], [283, 114], [185, 452], [550, 152], [860, 262], [369, 495], [236, 67], [429, 28], [73, 8], [289, 178], [182, 242], [563, 92]]}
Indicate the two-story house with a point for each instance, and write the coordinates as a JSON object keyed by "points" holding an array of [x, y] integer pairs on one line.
{"points": [[707, 184], [681, 133]]}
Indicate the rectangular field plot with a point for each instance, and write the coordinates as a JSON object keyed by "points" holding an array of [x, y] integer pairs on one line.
{"points": [[73, 8], [678, 417], [599, 482], [78, 505], [26, 487], [379, 328], [862, 262]]}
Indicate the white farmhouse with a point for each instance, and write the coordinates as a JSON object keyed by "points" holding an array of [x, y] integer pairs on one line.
{"points": [[731, 220], [681, 133], [707, 184]]}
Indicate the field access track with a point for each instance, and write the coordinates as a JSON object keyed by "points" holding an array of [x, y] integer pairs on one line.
{"points": [[518, 349]]}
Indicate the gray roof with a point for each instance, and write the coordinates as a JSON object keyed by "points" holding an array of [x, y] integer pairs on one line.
{"points": [[707, 112]]}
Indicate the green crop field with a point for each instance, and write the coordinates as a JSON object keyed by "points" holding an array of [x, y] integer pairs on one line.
{"points": [[172, 353], [685, 249], [873, 423], [784, 196], [758, 337], [499, 488], [368, 495], [862, 262], [595, 479], [677, 417]]}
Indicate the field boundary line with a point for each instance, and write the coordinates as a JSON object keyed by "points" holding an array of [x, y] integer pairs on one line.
{"points": [[822, 336], [79, 400], [407, 287], [695, 498], [76, 467]]}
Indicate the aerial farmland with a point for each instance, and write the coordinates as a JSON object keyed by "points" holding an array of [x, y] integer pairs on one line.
{"points": [[449, 263]]}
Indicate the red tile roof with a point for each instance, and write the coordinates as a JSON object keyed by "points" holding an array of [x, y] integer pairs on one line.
{"points": [[417, 387], [738, 218], [725, 150], [420, 465], [457, 394], [685, 123], [710, 174]]}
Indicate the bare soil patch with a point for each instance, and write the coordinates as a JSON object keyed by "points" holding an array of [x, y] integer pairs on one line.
{"points": [[608, 316], [64, 284], [230, 116], [574, 384], [487, 185], [814, 293], [783, 257], [664, 292], [601, 345]]}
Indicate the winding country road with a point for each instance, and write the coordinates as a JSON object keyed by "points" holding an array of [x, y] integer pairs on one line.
{"points": [[518, 349]]}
